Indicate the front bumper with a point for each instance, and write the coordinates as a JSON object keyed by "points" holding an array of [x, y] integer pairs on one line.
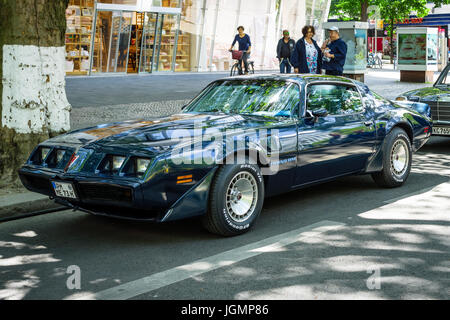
{"points": [[124, 199]]}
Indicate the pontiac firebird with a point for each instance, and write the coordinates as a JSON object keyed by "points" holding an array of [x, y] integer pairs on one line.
{"points": [[320, 128]]}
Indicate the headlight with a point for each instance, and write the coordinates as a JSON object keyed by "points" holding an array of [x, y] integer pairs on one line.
{"points": [[401, 98], [141, 166], [44, 153], [117, 162]]}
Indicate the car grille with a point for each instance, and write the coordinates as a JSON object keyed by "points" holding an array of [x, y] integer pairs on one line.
{"points": [[440, 111], [434, 109], [101, 192], [443, 111]]}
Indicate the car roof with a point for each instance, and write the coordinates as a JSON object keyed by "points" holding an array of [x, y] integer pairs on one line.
{"points": [[300, 78]]}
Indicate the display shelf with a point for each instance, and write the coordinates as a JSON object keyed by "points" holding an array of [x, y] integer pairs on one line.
{"points": [[79, 18], [182, 53]]}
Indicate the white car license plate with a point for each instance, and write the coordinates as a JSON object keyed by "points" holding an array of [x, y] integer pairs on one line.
{"points": [[64, 189], [441, 130]]}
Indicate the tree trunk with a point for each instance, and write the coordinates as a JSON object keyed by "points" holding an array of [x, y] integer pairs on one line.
{"points": [[364, 13], [33, 104]]}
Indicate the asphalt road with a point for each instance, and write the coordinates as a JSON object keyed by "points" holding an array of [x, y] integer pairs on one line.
{"points": [[323, 242], [115, 90], [135, 89]]}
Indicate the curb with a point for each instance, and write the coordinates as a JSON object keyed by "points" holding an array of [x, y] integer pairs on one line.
{"points": [[17, 204]]}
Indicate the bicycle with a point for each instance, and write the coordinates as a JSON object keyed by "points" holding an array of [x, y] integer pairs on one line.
{"points": [[236, 69], [373, 60]]}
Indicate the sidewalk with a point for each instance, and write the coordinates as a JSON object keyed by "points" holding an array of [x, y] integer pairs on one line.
{"points": [[99, 100], [14, 204]]}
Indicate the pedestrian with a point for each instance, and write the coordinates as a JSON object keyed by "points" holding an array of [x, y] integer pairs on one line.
{"points": [[285, 48], [334, 53], [307, 55], [244, 45]]}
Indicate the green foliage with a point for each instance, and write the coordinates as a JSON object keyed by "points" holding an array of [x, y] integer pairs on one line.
{"points": [[347, 9], [389, 9]]}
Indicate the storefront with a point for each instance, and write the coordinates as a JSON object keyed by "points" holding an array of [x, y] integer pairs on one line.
{"points": [[124, 37], [148, 36]]}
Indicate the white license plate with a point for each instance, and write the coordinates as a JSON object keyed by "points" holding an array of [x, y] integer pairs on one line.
{"points": [[441, 130], [64, 189]]}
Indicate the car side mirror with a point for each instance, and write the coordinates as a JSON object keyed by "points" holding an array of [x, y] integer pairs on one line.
{"points": [[322, 112]]}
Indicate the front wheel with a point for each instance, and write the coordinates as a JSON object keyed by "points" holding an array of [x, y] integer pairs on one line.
{"points": [[234, 70], [236, 199], [379, 63], [397, 158]]}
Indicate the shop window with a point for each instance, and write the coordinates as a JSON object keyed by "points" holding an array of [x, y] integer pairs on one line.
{"points": [[167, 3], [125, 2], [182, 62], [79, 15]]}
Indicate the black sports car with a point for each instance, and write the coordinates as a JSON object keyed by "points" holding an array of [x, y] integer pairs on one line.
{"points": [[240, 140], [438, 98]]}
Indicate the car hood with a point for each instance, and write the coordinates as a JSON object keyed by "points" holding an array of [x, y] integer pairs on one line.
{"points": [[158, 134]]}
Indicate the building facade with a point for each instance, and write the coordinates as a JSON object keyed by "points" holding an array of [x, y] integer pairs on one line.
{"points": [[148, 36]]}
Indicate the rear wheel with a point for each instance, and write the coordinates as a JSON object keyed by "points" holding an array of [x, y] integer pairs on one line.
{"points": [[251, 69], [236, 199], [397, 158]]}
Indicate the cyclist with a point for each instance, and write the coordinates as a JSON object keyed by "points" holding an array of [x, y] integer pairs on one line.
{"points": [[244, 45]]}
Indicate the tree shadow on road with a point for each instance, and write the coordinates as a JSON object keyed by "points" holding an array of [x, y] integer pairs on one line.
{"points": [[401, 232]]}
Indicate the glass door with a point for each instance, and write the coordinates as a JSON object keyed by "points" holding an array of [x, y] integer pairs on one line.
{"points": [[148, 42], [159, 42], [111, 43], [166, 40]]}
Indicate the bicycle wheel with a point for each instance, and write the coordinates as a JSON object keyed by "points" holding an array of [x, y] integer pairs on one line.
{"points": [[251, 69], [379, 63], [234, 70]]}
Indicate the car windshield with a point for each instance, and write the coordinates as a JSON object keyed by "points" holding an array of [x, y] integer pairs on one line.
{"points": [[444, 78], [274, 98]]}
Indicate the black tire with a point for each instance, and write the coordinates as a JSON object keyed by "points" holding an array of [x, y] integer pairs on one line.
{"points": [[220, 218], [395, 170], [251, 69], [379, 63], [234, 70]]}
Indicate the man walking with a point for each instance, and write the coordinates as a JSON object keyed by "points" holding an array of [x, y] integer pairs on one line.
{"points": [[334, 53], [285, 47]]}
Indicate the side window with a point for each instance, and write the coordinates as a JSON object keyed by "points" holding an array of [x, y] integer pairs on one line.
{"points": [[335, 98]]}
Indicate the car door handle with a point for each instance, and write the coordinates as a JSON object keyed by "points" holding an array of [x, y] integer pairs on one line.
{"points": [[368, 123]]}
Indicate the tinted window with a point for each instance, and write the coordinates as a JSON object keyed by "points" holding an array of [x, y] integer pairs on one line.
{"points": [[254, 96], [336, 99]]}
